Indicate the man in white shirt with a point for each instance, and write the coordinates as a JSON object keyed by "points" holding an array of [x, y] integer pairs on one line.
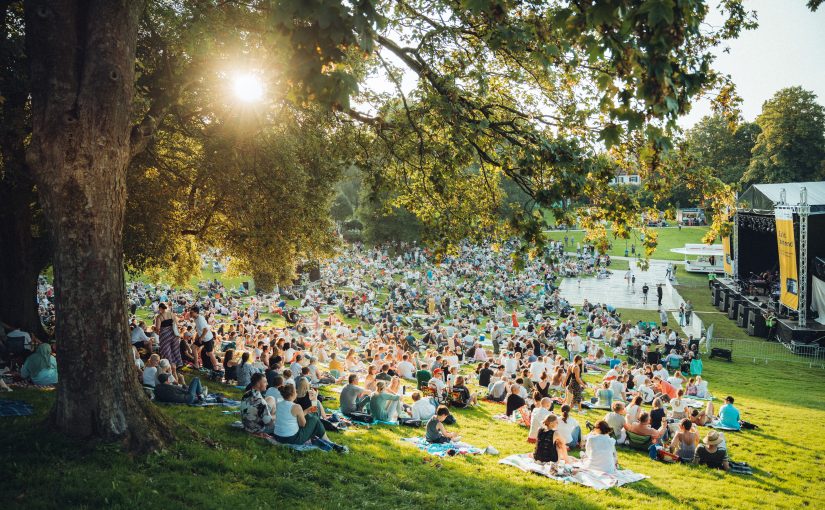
{"points": [[661, 372], [138, 337], [423, 408], [510, 365], [405, 368], [536, 369], [541, 412]]}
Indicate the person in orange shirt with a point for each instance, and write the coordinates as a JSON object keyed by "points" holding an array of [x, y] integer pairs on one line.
{"points": [[515, 319], [334, 364], [665, 389]]}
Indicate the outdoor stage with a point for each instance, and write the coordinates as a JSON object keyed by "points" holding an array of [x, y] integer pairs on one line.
{"points": [[751, 310]]}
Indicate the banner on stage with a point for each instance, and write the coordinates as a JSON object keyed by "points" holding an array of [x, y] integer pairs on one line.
{"points": [[788, 279], [726, 262]]}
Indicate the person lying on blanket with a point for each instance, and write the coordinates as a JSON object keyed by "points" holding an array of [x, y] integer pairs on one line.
{"points": [[168, 391], [702, 418], [436, 433]]}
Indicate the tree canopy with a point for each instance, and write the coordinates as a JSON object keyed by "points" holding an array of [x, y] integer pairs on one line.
{"points": [[791, 144]]}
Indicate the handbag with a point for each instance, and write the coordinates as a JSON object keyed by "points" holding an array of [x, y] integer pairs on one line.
{"points": [[175, 329]]}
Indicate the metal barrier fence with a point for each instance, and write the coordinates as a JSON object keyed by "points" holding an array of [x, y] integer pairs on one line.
{"points": [[763, 351]]}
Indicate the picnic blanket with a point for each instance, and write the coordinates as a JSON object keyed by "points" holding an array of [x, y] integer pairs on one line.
{"points": [[212, 400], [15, 408], [441, 449], [515, 419], [271, 440], [718, 426], [598, 480]]}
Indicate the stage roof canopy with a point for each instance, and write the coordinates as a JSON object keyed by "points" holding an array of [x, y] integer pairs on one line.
{"points": [[761, 198], [700, 250]]}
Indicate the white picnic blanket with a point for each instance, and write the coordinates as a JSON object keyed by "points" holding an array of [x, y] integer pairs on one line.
{"points": [[598, 480]]}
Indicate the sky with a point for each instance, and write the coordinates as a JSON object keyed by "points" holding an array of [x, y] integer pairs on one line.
{"points": [[787, 49]]}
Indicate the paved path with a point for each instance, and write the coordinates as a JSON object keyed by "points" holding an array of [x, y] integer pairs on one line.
{"points": [[615, 290]]}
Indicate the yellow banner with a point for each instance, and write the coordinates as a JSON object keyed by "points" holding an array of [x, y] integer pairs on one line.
{"points": [[726, 262], [788, 279]]}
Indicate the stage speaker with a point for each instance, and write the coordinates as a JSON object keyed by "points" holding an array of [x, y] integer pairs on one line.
{"points": [[722, 305], [715, 294], [733, 307], [718, 352], [756, 324], [743, 310]]}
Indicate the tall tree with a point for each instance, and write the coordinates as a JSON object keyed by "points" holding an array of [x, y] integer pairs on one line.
{"points": [[791, 146], [82, 56], [726, 148]]}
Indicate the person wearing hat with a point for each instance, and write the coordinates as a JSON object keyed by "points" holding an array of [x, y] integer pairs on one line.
{"points": [[711, 452], [437, 383]]}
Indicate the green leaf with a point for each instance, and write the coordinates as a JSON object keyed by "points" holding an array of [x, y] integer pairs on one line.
{"points": [[658, 11]]}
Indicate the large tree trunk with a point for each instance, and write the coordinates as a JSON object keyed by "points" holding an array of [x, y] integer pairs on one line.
{"points": [[82, 56]]}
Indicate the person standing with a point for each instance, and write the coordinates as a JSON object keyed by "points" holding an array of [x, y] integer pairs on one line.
{"points": [[633, 283], [659, 293], [496, 339], [204, 337], [688, 312], [166, 324], [645, 290]]}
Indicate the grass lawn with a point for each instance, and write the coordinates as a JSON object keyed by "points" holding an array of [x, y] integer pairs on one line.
{"points": [[45, 470], [214, 466], [668, 238]]}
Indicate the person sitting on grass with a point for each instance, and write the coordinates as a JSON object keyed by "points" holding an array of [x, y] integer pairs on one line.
{"points": [[423, 408], [436, 433], [353, 397], [542, 411], [685, 441], [245, 370], [150, 371], [604, 396], [643, 428], [293, 426], [167, 391], [664, 389], [569, 429], [257, 411], [464, 397], [40, 367], [549, 445], [617, 421], [516, 399], [710, 453], [728, 416], [384, 405], [600, 449], [678, 406], [497, 391]]}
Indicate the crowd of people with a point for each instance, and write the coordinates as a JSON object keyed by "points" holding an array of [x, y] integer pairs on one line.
{"points": [[446, 334]]}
